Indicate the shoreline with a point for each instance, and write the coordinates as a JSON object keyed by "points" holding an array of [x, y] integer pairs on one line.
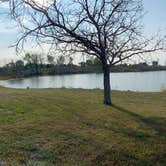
{"points": [[77, 89], [15, 78]]}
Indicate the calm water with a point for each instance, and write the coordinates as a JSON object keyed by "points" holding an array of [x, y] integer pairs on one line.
{"points": [[137, 81]]}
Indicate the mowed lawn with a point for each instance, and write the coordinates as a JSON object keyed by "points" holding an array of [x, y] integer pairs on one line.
{"points": [[54, 127]]}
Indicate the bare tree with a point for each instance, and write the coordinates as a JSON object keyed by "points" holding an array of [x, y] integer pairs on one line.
{"points": [[110, 30], [70, 61], [60, 60], [50, 59], [35, 61]]}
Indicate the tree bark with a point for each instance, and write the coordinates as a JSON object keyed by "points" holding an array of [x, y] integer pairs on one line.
{"points": [[107, 89]]}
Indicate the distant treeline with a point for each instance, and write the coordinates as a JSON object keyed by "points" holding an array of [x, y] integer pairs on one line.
{"points": [[34, 65]]}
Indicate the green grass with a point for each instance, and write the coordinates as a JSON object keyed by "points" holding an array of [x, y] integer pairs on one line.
{"points": [[72, 127]]}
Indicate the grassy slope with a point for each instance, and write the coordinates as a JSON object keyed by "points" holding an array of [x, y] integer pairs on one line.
{"points": [[72, 127]]}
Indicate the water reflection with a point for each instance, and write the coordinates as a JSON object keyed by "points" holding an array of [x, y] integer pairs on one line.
{"points": [[136, 81]]}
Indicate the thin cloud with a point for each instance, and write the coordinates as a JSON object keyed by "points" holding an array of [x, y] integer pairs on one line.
{"points": [[5, 27]]}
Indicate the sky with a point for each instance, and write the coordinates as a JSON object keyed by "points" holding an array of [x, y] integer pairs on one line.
{"points": [[154, 20]]}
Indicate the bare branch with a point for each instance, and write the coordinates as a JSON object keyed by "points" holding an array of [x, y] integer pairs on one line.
{"points": [[108, 29]]}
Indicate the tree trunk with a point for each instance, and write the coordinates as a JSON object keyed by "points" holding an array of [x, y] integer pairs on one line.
{"points": [[107, 89]]}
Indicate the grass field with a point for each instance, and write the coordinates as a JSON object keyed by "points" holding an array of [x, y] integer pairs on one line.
{"points": [[73, 128]]}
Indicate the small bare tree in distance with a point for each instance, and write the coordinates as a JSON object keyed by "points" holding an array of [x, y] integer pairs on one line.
{"points": [[110, 30]]}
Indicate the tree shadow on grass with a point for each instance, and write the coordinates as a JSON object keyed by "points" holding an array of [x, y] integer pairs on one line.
{"points": [[156, 123], [115, 156]]}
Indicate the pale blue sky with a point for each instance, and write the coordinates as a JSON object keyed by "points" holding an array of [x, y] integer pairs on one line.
{"points": [[156, 15], [154, 20]]}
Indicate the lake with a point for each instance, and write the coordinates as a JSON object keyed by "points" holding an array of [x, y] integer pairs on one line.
{"points": [[133, 81]]}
